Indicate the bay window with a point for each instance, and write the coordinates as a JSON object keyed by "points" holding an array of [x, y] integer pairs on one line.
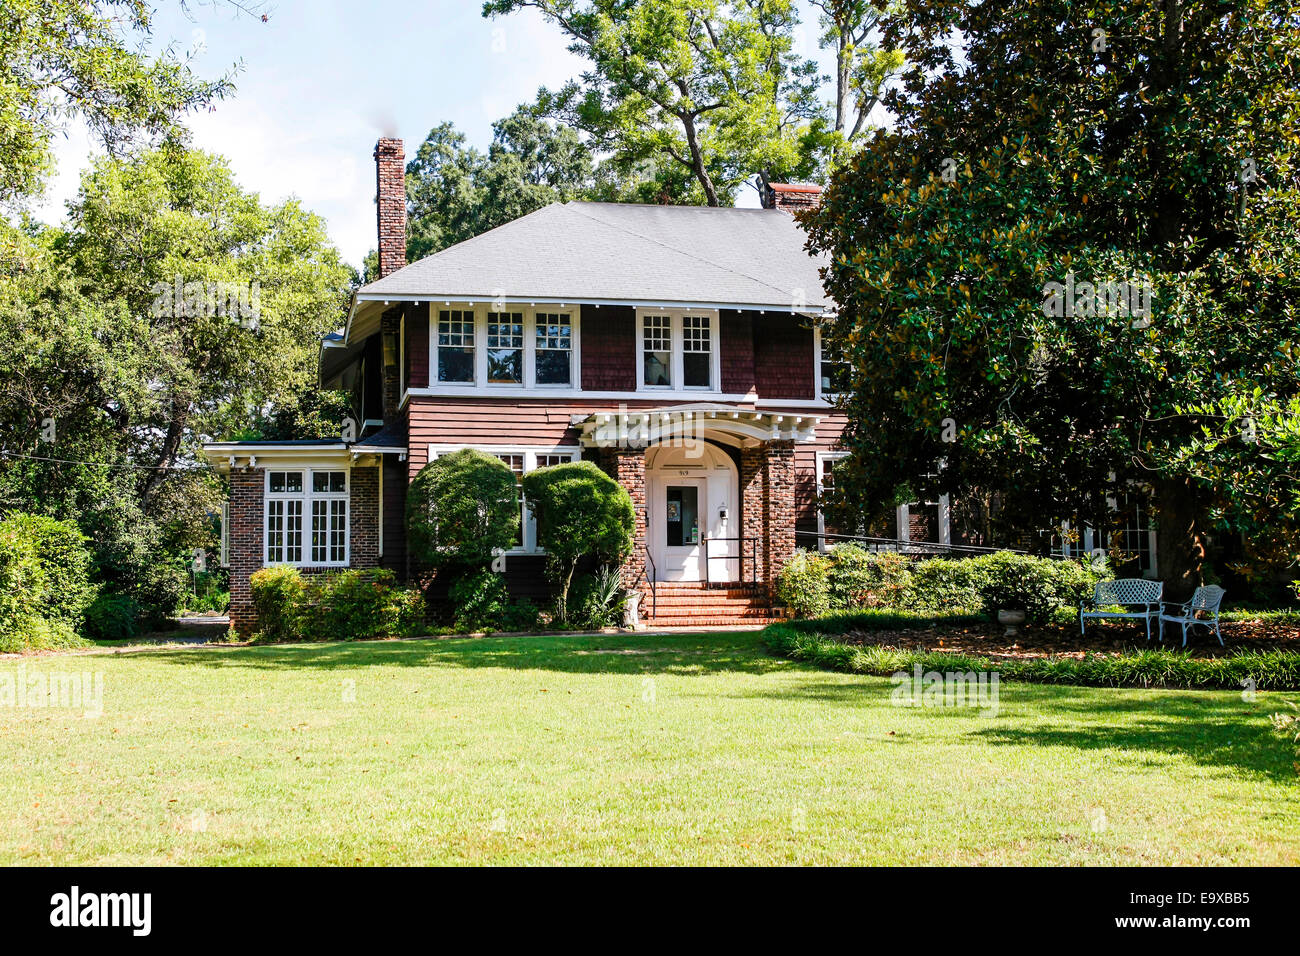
{"points": [[307, 517]]}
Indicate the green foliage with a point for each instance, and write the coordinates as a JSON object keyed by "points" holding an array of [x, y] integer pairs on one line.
{"points": [[714, 90], [338, 606], [804, 584], [456, 192], [62, 58], [597, 600], [44, 583], [461, 509], [278, 593], [815, 642], [581, 512], [112, 617], [849, 578], [1163, 156], [479, 601]]}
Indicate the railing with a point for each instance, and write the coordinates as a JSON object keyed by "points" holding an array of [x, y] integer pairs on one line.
{"points": [[905, 546], [652, 577], [740, 556]]}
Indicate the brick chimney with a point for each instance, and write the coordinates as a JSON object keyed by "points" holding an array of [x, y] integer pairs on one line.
{"points": [[788, 197], [390, 204]]}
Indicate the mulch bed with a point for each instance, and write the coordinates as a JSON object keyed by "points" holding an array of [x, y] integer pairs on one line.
{"points": [[986, 640]]}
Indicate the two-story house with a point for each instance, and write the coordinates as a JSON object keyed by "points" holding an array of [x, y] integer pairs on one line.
{"points": [[675, 346]]}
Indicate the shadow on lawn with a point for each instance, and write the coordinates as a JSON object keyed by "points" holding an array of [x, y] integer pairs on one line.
{"points": [[607, 654], [1212, 728]]}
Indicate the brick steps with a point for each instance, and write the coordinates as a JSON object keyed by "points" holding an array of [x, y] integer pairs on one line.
{"points": [[683, 605]]}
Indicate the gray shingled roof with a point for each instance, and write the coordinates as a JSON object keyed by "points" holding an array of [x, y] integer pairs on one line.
{"points": [[623, 252]]}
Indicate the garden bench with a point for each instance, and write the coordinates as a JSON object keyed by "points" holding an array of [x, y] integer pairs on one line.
{"points": [[1205, 600], [1127, 593]]}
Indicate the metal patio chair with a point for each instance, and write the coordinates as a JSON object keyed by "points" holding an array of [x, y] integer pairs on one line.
{"points": [[1205, 600]]}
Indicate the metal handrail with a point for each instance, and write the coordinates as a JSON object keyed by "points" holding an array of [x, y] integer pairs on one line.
{"points": [[740, 556], [652, 578], [901, 544]]}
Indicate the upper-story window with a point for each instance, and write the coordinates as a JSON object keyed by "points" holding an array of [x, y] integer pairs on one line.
{"points": [[835, 372], [678, 350], [503, 349], [456, 346], [554, 348], [307, 517]]}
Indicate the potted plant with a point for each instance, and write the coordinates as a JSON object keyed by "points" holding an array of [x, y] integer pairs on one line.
{"points": [[1009, 595]]}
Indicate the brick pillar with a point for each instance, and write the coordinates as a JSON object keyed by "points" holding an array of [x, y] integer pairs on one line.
{"points": [[246, 545], [363, 519], [390, 204], [779, 501], [627, 467], [752, 520]]}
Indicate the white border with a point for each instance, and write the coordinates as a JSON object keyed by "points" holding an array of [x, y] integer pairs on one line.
{"points": [[306, 496]]}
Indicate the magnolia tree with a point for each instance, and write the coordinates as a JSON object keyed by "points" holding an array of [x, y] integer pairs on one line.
{"points": [[1073, 262]]}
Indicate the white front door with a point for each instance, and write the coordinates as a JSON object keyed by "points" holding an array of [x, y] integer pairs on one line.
{"points": [[683, 503]]}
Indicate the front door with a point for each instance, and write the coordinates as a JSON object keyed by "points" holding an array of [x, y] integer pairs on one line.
{"points": [[681, 510]]}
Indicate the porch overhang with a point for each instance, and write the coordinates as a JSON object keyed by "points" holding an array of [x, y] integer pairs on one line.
{"points": [[732, 425], [227, 456]]}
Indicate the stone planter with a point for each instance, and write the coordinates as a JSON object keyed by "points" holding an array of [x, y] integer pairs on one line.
{"points": [[1011, 620], [632, 610]]}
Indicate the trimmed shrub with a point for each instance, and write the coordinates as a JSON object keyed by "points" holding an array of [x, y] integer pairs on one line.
{"points": [[278, 598], [160, 590], [581, 512], [804, 584], [112, 617], [849, 578], [44, 583], [461, 509], [479, 601]]}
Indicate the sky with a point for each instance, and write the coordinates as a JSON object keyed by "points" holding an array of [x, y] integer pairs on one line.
{"points": [[321, 80]]}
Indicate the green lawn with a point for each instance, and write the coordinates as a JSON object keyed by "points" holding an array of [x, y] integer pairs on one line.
{"points": [[698, 749]]}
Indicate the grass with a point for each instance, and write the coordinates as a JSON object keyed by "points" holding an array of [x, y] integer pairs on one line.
{"points": [[692, 750], [818, 641]]}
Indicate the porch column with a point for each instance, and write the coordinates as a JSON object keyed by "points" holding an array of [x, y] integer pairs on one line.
{"points": [[752, 511], [246, 545], [627, 467], [779, 492]]}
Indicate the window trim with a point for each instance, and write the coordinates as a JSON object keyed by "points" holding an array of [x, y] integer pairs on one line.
{"points": [[480, 311], [676, 317], [530, 453], [824, 396], [307, 496], [821, 458]]}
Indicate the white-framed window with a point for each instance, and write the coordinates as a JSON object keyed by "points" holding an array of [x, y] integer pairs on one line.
{"points": [[677, 350], [307, 517], [833, 372], [225, 534], [505, 348], [826, 461], [520, 459], [401, 355], [455, 346]]}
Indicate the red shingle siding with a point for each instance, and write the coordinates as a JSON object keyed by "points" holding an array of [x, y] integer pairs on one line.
{"points": [[394, 518], [608, 345], [417, 346], [736, 340], [783, 356]]}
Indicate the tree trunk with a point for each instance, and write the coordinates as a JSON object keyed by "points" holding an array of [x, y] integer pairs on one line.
{"points": [[1180, 542], [697, 160]]}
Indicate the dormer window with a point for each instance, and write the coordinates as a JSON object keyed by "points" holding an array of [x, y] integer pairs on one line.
{"points": [[678, 350]]}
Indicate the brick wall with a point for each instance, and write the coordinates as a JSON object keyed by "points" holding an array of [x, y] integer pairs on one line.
{"points": [[783, 356], [752, 517], [608, 348], [390, 204], [247, 528], [779, 499], [627, 467]]}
